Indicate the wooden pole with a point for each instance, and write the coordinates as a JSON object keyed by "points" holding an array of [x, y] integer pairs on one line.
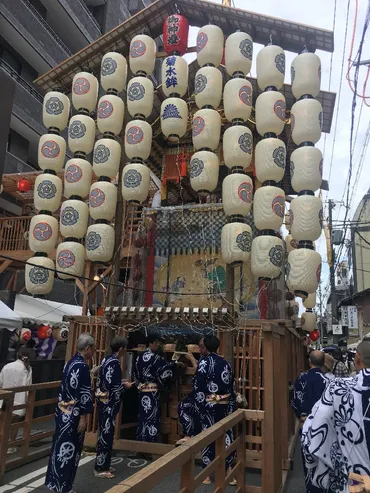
{"points": [[230, 298]]}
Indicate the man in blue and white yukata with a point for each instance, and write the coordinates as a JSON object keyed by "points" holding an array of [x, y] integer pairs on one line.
{"points": [[109, 397], [151, 373], [74, 404], [336, 436]]}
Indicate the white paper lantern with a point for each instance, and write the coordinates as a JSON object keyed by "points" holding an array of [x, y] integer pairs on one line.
{"points": [[238, 147], [100, 242], [55, 110], [138, 139], [238, 99], [39, 279], [269, 208], [291, 243], [306, 165], [310, 301], [305, 74], [70, 260], [206, 129], [47, 192], [85, 89], [237, 194], [208, 87], [238, 53], [303, 271], [175, 74], [81, 134], [43, 233], [113, 72], [51, 152], [210, 45], [270, 113], [140, 97], [77, 178], [103, 200], [308, 321], [142, 55], [236, 243], [135, 182], [110, 113], [306, 217], [60, 334], [174, 118], [74, 218], [25, 335], [270, 158], [270, 67], [204, 168], [106, 157], [267, 257], [306, 121]]}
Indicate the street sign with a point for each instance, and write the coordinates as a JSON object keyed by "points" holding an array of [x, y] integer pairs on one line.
{"points": [[352, 317], [337, 330]]}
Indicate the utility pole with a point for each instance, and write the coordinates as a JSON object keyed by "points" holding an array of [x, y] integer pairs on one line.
{"points": [[332, 265]]}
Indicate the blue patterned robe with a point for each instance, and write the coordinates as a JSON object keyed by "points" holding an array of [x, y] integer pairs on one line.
{"points": [[110, 388], [74, 401], [336, 436], [308, 389], [150, 368]]}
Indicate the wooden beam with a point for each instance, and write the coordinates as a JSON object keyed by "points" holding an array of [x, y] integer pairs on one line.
{"points": [[5, 265], [96, 283]]}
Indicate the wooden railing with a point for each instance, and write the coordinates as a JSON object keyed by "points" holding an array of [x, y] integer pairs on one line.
{"points": [[14, 233], [23, 445], [182, 459]]}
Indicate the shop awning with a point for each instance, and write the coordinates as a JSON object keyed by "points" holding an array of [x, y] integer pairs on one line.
{"points": [[45, 311], [8, 319]]}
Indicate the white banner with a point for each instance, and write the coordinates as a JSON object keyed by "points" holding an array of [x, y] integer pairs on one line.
{"points": [[344, 315], [352, 317], [337, 330]]}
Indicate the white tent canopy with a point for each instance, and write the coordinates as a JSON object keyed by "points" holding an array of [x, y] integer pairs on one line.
{"points": [[44, 311], [9, 319]]}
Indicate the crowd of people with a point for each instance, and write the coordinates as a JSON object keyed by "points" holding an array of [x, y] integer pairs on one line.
{"points": [[334, 412]]}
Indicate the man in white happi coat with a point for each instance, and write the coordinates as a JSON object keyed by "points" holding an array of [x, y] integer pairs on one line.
{"points": [[336, 436]]}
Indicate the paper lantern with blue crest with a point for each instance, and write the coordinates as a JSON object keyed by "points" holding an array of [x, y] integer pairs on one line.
{"points": [[140, 97], [138, 140], [204, 167], [55, 110], [39, 275], [306, 121], [135, 182], [238, 98], [237, 194], [306, 75], [77, 178], [113, 72], [210, 45], [306, 217], [236, 243], [103, 200], [174, 118], [106, 157], [206, 129], [51, 152], [142, 55], [269, 207], [175, 74], [270, 159], [43, 233], [303, 271], [70, 260], [110, 113], [267, 256], [81, 134], [238, 147], [85, 87], [270, 113], [47, 192], [306, 166], [270, 67], [208, 87], [74, 218], [238, 53], [99, 242]]}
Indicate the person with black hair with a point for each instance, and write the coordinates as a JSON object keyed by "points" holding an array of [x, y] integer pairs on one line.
{"points": [[109, 394], [151, 371]]}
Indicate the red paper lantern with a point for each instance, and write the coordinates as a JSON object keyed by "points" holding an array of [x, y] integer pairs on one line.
{"points": [[314, 335], [23, 185], [175, 35], [44, 331]]}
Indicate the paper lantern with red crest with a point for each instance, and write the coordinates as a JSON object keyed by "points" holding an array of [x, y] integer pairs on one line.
{"points": [[44, 331], [23, 185], [25, 335], [314, 335], [175, 34]]}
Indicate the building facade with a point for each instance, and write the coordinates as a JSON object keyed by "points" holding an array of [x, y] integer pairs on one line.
{"points": [[360, 239]]}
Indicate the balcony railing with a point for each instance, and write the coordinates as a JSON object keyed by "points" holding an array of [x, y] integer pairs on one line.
{"points": [[85, 7], [13, 164], [20, 80]]}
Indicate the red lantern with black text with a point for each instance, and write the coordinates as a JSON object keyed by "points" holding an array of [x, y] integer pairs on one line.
{"points": [[23, 185], [44, 331], [314, 335], [175, 35]]}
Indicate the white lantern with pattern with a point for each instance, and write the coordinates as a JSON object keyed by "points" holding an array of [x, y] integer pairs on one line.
{"points": [[210, 45], [270, 67], [140, 97], [269, 207], [70, 260], [47, 192], [39, 275], [135, 182], [81, 134], [60, 333], [208, 87], [238, 94], [85, 89], [306, 165], [290, 242], [55, 110], [142, 55], [306, 216], [305, 74], [138, 139], [310, 301], [174, 118], [303, 271], [110, 113], [175, 75], [308, 321], [77, 178], [237, 194], [51, 152], [103, 200], [74, 218], [100, 243], [267, 256], [106, 157], [204, 168], [270, 113], [236, 243], [238, 53], [306, 121], [43, 233], [206, 129], [270, 158], [113, 72], [238, 147]]}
